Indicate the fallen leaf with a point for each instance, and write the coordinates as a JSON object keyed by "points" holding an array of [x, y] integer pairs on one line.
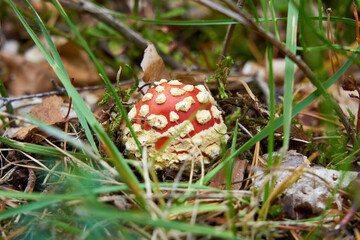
{"points": [[49, 110], [28, 134], [297, 137], [238, 172], [25, 77], [78, 64], [153, 65], [30, 73]]}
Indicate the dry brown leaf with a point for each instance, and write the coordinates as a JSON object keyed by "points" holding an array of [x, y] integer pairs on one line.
{"points": [[49, 110], [28, 134], [153, 65], [238, 173], [30, 73], [78, 64], [25, 77], [22, 133]]}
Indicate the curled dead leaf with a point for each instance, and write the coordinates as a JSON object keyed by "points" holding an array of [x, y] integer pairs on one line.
{"points": [[49, 110], [238, 173], [25, 77], [153, 65]]}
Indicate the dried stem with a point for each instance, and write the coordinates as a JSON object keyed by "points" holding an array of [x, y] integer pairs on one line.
{"points": [[242, 17], [105, 16], [229, 34], [60, 90]]}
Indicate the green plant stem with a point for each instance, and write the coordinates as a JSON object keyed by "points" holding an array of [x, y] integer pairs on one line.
{"points": [[321, 27], [4, 94], [228, 174], [291, 33], [81, 108], [101, 71], [269, 50]]}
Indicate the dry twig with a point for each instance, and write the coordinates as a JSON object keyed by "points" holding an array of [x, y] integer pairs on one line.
{"points": [[229, 34], [105, 16], [59, 90]]}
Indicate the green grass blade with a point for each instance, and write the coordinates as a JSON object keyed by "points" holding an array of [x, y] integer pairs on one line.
{"points": [[291, 32], [320, 17], [274, 20], [100, 69], [145, 220], [32, 34], [81, 108], [69, 196], [59, 68], [59, 134], [26, 208], [64, 226], [231, 163], [39, 149], [269, 50]]}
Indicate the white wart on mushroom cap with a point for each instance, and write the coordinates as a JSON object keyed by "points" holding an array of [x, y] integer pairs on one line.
{"points": [[173, 107]]}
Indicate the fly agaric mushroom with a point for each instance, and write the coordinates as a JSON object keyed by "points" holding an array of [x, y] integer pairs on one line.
{"points": [[185, 111]]}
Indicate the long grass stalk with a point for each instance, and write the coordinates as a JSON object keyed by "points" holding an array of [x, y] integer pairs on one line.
{"points": [[80, 107], [271, 83], [229, 175], [100, 69], [291, 33], [39, 149]]}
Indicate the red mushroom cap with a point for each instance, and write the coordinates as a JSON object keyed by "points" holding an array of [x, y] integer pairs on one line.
{"points": [[174, 108]]}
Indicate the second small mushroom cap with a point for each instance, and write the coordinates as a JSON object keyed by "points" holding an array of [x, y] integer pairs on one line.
{"points": [[176, 109]]}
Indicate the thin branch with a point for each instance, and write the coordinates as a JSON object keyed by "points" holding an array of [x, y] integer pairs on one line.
{"points": [[244, 18], [60, 90], [229, 34], [105, 16]]}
